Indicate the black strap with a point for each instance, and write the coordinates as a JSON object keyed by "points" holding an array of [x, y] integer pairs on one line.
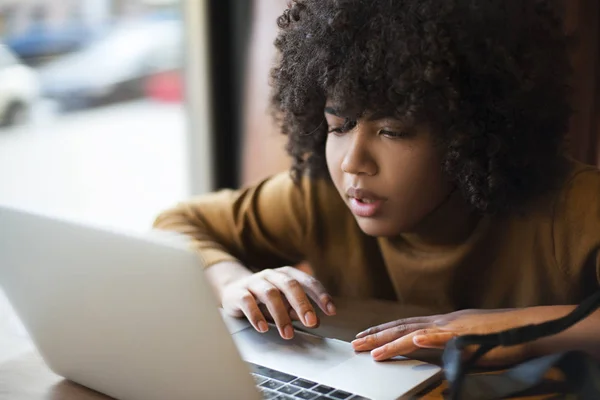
{"points": [[585, 382], [582, 375]]}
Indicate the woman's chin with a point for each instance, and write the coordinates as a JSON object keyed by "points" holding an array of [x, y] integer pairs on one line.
{"points": [[378, 228]]}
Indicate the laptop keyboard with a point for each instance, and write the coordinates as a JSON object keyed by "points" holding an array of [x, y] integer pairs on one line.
{"points": [[277, 385]]}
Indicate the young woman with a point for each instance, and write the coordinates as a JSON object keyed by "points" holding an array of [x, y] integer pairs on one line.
{"points": [[427, 141]]}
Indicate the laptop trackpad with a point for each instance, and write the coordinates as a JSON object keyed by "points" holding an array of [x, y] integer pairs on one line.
{"points": [[303, 356]]}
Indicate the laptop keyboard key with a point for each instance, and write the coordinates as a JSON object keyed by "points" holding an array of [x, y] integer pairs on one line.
{"points": [[322, 389], [259, 379], [267, 394], [270, 380], [340, 394], [304, 383], [287, 389], [306, 395], [273, 385], [271, 373]]}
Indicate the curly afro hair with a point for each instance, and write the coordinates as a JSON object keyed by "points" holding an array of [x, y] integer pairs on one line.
{"points": [[488, 76]]}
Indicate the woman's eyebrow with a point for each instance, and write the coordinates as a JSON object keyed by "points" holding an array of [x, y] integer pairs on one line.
{"points": [[381, 115], [371, 116]]}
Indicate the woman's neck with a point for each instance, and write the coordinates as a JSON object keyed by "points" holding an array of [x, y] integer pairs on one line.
{"points": [[449, 224]]}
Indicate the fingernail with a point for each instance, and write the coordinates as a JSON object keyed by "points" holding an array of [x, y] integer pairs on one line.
{"points": [[263, 327], [358, 343], [288, 332], [378, 353], [310, 319], [361, 334], [330, 308]]}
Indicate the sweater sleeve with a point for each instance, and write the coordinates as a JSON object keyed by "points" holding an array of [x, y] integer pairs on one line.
{"points": [[576, 230], [262, 226]]}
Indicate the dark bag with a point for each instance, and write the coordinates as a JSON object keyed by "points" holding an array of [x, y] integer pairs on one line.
{"points": [[581, 371]]}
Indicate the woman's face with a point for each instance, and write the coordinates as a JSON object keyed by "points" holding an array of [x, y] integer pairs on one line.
{"points": [[389, 175]]}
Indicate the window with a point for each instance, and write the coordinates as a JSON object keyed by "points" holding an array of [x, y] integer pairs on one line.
{"points": [[7, 58], [93, 123]]}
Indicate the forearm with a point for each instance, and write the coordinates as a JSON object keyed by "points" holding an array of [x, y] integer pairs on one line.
{"points": [[583, 336], [224, 273]]}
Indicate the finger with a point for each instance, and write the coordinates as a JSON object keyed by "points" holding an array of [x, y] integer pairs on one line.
{"points": [[398, 347], [295, 295], [433, 340], [271, 297], [265, 311], [294, 316], [315, 289], [381, 338], [233, 311], [249, 307], [291, 311], [393, 324]]}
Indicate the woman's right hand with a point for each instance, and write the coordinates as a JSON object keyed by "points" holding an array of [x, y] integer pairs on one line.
{"points": [[282, 294]]}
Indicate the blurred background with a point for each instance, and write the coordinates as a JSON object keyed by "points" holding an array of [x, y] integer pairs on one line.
{"points": [[111, 110], [92, 115]]}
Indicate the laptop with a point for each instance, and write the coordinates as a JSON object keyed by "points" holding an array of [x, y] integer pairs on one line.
{"points": [[132, 316]]}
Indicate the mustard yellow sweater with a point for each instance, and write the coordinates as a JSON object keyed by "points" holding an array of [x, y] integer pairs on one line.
{"points": [[550, 254]]}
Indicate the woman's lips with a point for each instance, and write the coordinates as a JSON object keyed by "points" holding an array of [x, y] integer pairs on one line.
{"points": [[364, 203], [365, 208]]}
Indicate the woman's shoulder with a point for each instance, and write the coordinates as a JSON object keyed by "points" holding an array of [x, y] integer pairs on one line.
{"points": [[322, 196], [304, 185], [572, 205], [580, 190], [578, 185], [315, 196], [576, 218]]}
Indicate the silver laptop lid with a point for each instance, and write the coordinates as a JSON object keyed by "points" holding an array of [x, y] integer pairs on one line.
{"points": [[127, 315]]}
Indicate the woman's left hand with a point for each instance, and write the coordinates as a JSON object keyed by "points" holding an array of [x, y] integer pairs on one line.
{"points": [[402, 337]]}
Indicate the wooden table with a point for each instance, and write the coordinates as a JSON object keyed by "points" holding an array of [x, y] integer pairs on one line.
{"points": [[26, 377]]}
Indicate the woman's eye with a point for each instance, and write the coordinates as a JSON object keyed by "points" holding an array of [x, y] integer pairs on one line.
{"points": [[337, 131], [348, 126], [393, 134]]}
